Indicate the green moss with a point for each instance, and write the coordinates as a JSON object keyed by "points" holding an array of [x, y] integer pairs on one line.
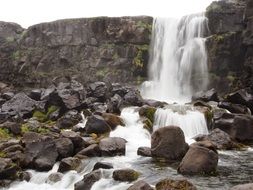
{"points": [[149, 113], [144, 25], [218, 38], [115, 56], [10, 39], [138, 59], [40, 116], [2, 154], [51, 110], [42, 130], [148, 125], [25, 128], [16, 55], [102, 72], [4, 133]]}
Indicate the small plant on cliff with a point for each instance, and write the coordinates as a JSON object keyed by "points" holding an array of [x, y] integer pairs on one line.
{"points": [[138, 60]]}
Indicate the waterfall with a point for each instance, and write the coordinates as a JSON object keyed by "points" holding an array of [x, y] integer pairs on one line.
{"points": [[178, 60]]}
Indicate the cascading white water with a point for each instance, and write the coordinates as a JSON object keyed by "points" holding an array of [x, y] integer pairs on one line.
{"points": [[178, 60]]}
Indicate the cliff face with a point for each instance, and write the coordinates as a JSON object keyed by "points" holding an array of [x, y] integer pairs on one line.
{"points": [[230, 44], [88, 49]]}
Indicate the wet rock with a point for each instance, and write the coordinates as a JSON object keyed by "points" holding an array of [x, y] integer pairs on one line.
{"points": [[90, 151], [24, 176], [174, 184], [235, 108], [76, 139], [113, 120], [148, 112], [119, 89], [54, 177], [154, 103], [70, 163], [112, 146], [113, 105], [144, 151], [103, 165], [127, 175], [132, 98], [69, 119], [140, 185], [21, 105], [65, 147], [88, 180], [238, 126], [248, 186], [219, 138], [201, 158], [169, 143], [242, 97], [210, 95], [8, 170], [97, 124], [40, 151]]}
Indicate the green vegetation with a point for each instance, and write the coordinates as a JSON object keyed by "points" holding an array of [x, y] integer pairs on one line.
{"points": [[138, 60], [142, 24], [4, 133], [16, 55], [43, 117], [26, 128], [2, 154], [10, 39]]}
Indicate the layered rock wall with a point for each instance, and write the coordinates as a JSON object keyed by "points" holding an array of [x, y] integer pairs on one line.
{"points": [[88, 49]]}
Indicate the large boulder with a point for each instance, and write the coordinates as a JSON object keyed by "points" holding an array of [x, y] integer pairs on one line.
{"points": [[98, 90], [88, 180], [238, 126], [169, 143], [21, 105], [234, 108], [97, 124], [127, 175], [201, 158], [144, 151], [40, 151], [90, 151], [65, 147], [174, 184], [132, 98], [140, 185], [112, 146], [103, 165], [242, 97]]}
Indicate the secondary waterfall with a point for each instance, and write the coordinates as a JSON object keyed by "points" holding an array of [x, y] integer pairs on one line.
{"points": [[178, 60]]}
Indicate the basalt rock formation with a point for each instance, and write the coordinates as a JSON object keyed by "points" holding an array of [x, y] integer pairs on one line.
{"points": [[229, 46], [88, 49]]}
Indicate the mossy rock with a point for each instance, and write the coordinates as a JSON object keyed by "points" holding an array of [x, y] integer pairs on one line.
{"points": [[127, 175], [181, 184], [44, 116], [5, 134], [148, 125], [148, 112]]}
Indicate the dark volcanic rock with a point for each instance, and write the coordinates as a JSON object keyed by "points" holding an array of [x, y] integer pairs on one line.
{"points": [[40, 151], [219, 138], [112, 146], [69, 119], [235, 108], [98, 90], [97, 124], [90, 151], [21, 105], [201, 158], [70, 163], [88, 180], [125, 175], [144, 151], [132, 98], [113, 120], [174, 184], [54, 177], [8, 170], [65, 147], [238, 126], [103, 165], [84, 48], [169, 143], [210, 95]]}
